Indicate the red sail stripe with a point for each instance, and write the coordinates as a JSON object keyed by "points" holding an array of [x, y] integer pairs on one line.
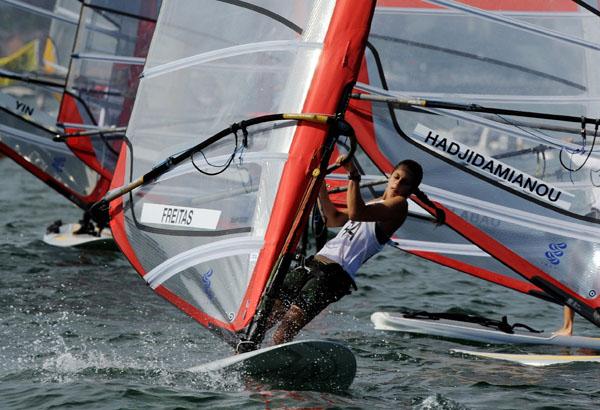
{"points": [[81, 147], [338, 66], [78, 198], [495, 5], [117, 216], [478, 272]]}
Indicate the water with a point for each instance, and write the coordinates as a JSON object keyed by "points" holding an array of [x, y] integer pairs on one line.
{"points": [[80, 329]]}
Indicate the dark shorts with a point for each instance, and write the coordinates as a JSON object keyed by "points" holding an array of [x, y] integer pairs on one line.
{"points": [[314, 287]]}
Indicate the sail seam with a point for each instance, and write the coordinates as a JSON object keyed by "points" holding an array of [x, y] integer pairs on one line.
{"points": [[250, 48]]}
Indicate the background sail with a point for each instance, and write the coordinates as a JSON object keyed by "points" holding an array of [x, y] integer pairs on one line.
{"points": [[208, 243], [110, 48], [419, 234], [37, 42], [38, 88], [524, 190]]}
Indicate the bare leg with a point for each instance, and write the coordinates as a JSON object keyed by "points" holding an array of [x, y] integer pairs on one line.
{"points": [[276, 313], [567, 327], [294, 320]]}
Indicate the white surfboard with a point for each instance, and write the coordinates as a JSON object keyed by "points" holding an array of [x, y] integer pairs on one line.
{"points": [[531, 359], [317, 365], [454, 329], [66, 238]]}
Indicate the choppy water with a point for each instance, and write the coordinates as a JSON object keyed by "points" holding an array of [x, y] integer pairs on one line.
{"points": [[79, 329]]}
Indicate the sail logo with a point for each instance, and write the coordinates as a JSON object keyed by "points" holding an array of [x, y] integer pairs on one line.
{"points": [[491, 167], [180, 216], [24, 108], [207, 285], [58, 164], [556, 252]]}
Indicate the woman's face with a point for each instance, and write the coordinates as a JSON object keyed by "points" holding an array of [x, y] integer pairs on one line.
{"points": [[400, 182]]}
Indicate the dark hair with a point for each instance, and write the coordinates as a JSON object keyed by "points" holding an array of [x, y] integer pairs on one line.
{"points": [[416, 170]]}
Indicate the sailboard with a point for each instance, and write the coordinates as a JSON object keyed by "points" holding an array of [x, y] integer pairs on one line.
{"points": [[531, 359], [482, 330], [78, 81], [300, 365], [230, 136], [69, 235], [507, 138]]}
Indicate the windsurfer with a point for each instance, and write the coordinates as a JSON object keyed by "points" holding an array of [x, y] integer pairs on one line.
{"points": [[567, 327], [366, 227]]}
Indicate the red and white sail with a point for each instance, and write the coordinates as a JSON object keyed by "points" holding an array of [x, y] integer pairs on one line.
{"points": [[523, 190]]}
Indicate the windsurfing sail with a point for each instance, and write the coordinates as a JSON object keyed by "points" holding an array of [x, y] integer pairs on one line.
{"points": [[499, 102], [37, 42], [40, 86], [211, 233], [108, 57]]}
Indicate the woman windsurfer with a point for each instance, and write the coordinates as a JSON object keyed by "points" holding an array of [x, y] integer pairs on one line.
{"points": [[366, 228]]}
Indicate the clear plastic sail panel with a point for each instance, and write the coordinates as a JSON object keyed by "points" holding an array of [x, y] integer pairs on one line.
{"points": [[197, 232], [532, 185]]}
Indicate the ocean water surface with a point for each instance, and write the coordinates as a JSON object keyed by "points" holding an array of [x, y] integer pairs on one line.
{"points": [[80, 329]]}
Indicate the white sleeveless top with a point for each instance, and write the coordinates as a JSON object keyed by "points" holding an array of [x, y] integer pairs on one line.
{"points": [[354, 244]]}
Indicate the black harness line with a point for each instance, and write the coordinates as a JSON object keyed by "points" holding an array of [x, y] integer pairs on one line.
{"points": [[501, 325]]}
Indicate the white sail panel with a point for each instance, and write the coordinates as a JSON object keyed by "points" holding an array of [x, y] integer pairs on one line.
{"points": [[200, 77]]}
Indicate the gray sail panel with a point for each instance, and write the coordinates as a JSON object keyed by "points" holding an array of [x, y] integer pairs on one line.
{"points": [[198, 230], [536, 199]]}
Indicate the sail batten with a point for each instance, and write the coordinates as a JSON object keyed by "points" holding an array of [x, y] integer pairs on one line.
{"points": [[236, 51], [216, 250], [516, 24]]}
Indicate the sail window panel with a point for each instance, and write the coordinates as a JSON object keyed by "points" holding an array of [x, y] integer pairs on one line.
{"points": [[105, 86], [216, 287], [206, 98], [572, 261], [112, 33], [527, 165], [211, 277], [565, 250], [37, 42], [103, 89], [464, 54], [36, 103], [55, 159], [193, 27], [191, 195], [188, 210], [423, 235]]}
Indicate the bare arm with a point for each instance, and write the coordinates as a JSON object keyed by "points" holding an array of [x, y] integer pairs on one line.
{"points": [[395, 208], [332, 216]]}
